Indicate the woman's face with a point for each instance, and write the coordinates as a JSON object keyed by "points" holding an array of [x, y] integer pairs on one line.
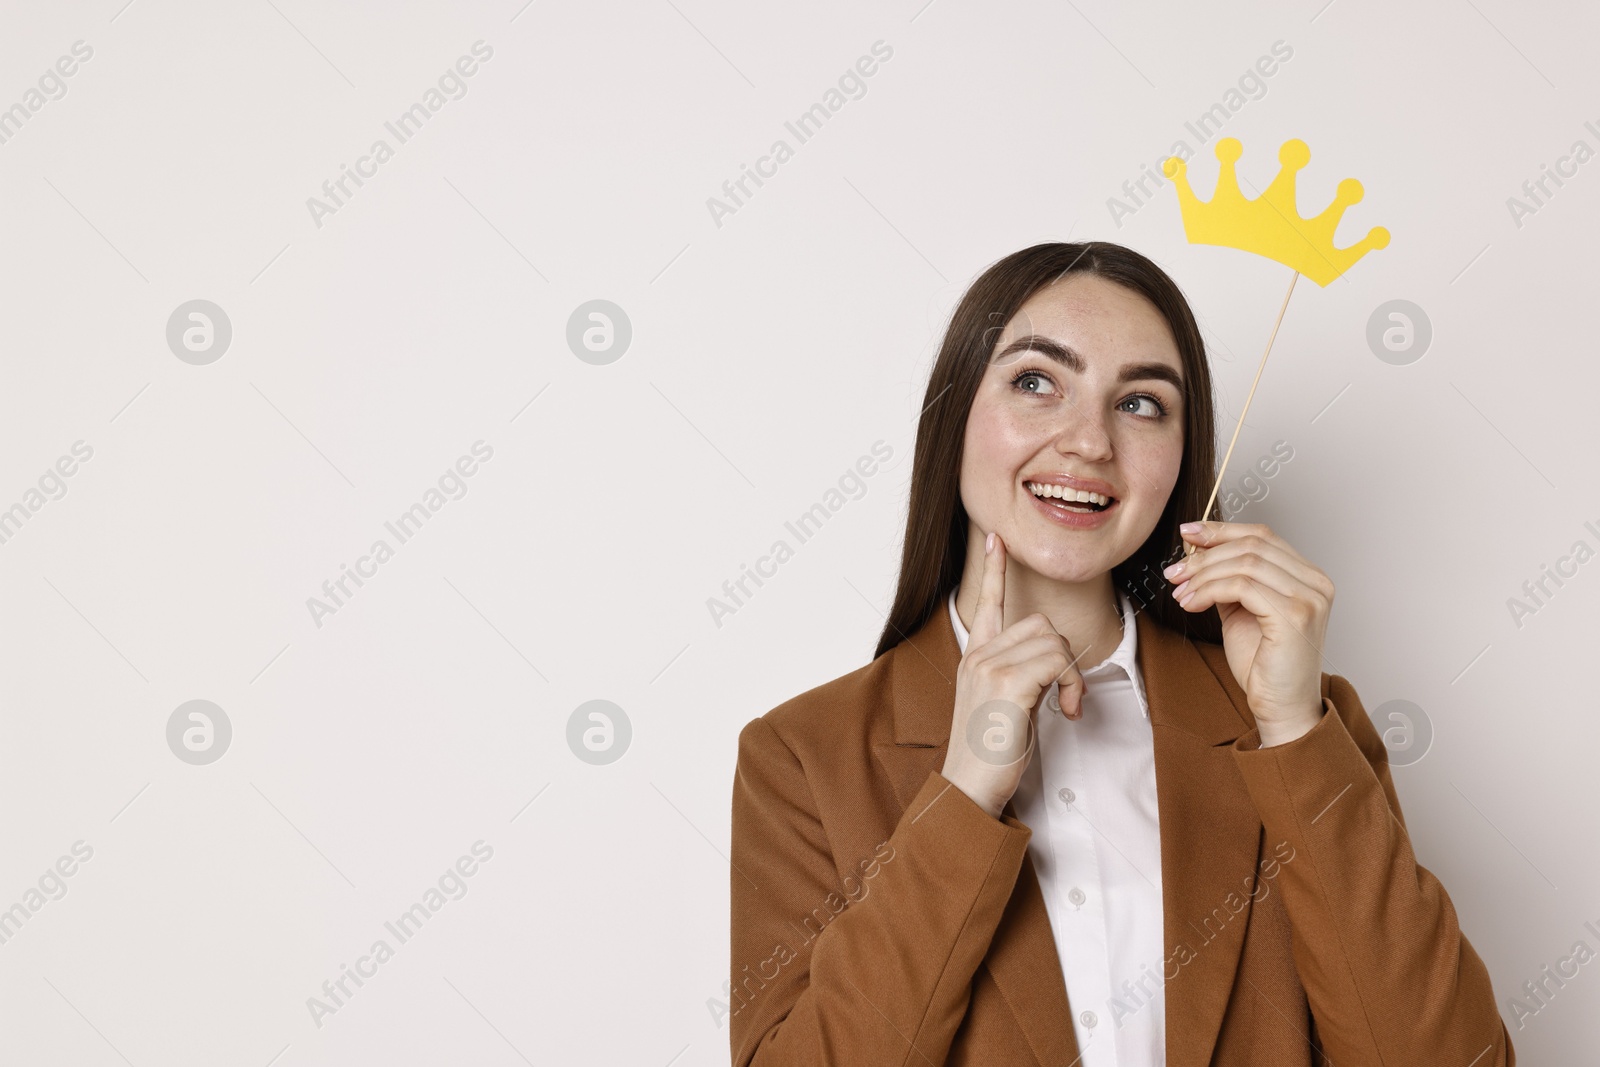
{"points": [[1075, 389]]}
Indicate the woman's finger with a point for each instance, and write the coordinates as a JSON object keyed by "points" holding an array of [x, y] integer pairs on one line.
{"points": [[1273, 550], [1255, 596], [989, 617], [1070, 688], [1250, 564], [1219, 533], [1037, 649]]}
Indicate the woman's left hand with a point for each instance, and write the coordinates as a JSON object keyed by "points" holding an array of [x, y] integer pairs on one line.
{"points": [[1274, 605]]}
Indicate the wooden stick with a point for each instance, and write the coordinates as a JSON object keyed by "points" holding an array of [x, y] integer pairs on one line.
{"points": [[1188, 546]]}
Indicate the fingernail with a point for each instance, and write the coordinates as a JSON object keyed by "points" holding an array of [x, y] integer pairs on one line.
{"points": [[1174, 570], [1191, 527], [1183, 601], [988, 543]]}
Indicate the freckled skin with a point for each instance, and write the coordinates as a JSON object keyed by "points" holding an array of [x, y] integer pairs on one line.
{"points": [[1085, 424]]}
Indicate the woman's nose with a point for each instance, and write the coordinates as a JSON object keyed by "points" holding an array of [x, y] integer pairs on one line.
{"points": [[1084, 434]]}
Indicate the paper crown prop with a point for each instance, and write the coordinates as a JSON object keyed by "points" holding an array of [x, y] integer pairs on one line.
{"points": [[1271, 226]]}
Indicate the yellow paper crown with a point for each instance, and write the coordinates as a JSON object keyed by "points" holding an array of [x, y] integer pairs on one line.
{"points": [[1271, 225]]}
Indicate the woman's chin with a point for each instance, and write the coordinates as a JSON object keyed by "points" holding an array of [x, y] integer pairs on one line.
{"points": [[1061, 566]]}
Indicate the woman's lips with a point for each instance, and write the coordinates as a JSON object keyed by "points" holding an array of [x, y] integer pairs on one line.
{"points": [[1056, 512]]}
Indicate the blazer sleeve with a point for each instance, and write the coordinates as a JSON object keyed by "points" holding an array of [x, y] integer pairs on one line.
{"points": [[879, 974], [1389, 975]]}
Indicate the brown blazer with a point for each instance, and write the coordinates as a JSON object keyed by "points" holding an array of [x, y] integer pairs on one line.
{"points": [[879, 916]]}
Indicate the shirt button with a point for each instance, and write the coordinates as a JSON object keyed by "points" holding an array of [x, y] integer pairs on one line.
{"points": [[1088, 1019], [1076, 896], [1053, 700], [1067, 796]]}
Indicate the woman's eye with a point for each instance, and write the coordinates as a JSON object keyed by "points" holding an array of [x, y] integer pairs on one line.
{"points": [[1031, 381], [1156, 408]]}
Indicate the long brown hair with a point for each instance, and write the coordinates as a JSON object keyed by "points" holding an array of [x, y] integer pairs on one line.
{"points": [[935, 547]]}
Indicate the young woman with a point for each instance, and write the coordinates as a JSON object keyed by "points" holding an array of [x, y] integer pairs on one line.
{"points": [[1073, 813]]}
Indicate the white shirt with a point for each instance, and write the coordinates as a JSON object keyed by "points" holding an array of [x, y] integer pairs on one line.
{"points": [[1089, 796]]}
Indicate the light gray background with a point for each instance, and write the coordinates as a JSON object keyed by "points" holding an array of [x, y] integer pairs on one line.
{"points": [[768, 354]]}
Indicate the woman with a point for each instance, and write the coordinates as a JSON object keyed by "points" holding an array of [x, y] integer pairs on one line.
{"points": [[1072, 813]]}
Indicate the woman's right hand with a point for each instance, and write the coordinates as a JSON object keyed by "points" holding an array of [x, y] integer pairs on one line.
{"points": [[1002, 674]]}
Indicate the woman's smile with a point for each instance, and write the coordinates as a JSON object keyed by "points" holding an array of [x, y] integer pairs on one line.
{"points": [[1075, 509]]}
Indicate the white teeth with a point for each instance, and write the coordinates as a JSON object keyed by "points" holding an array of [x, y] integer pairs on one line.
{"points": [[1061, 492]]}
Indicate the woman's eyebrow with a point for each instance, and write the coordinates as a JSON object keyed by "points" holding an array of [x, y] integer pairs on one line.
{"points": [[1067, 357]]}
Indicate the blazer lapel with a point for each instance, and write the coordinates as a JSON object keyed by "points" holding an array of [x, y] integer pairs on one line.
{"points": [[1022, 957], [1210, 836]]}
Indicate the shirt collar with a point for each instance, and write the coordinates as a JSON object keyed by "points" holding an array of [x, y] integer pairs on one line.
{"points": [[1125, 656]]}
